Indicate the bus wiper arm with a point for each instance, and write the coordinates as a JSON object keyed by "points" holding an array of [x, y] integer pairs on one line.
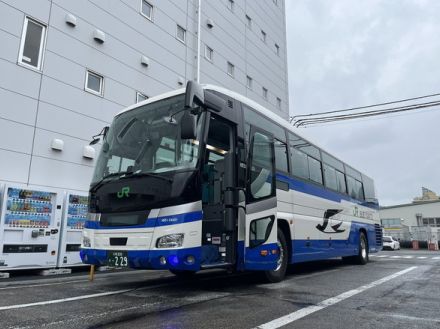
{"points": [[149, 174], [106, 178]]}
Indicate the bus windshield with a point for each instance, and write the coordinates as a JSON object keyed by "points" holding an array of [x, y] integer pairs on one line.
{"points": [[146, 140]]}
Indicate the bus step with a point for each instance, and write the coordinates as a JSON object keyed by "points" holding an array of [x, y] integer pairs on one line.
{"points": [[215, 265]]}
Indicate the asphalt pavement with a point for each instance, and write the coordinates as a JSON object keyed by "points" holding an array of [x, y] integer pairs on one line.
{"points": [[396, 289]]}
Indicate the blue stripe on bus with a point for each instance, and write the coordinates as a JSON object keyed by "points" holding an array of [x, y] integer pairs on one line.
{"points": [[152, 222], [321, 192]]}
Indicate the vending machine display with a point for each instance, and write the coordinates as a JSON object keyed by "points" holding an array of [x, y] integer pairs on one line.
{"points": [[29, 228], [74, 217]]}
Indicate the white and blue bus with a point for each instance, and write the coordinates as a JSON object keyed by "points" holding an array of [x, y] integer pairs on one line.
{"points": [[203, 178]]}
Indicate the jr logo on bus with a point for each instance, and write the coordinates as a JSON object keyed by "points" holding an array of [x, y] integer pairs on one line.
{"points": [[328, 214], [124, 192]]}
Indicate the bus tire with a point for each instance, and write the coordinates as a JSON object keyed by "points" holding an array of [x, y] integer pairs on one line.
{"points": [[183, 274], [362, 257], [279, 272]]}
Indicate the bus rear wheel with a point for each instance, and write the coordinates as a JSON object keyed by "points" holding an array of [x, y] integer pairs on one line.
{"points": [[279, 272], [362, 257]]}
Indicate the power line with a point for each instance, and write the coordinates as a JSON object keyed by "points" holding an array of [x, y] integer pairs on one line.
{"points": [[326, 119], [362, 107]]}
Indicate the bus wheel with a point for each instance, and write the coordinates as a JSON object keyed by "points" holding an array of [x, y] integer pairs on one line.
{"points": [[279, 272], [362, 257], [183, 274]]}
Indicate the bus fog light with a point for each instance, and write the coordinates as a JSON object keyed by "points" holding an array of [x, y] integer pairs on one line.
{"points": [[190, 259], [170, 241], [173, 260], [163, 260]]}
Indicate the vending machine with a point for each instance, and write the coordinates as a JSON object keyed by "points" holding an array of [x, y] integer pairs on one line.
{"points": [[74, 217], [29, 228]]}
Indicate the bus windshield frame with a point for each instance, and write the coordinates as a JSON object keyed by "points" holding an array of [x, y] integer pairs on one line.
{"points": [[146, 141]]}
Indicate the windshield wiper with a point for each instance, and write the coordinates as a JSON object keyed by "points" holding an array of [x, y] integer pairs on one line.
{"points": [[106, 178], [147, 174]]}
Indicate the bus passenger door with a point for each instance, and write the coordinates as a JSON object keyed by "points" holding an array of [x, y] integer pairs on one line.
{"points": [[260, 245]]}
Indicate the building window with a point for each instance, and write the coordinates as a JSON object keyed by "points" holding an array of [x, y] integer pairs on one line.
{"points": [[249, 82], [209, 53], [231, 69], [32, 44], [231, 5], [147, 9], [140, 97], [278, 103], [275, 2], [181, 33], [94, 83], [277, 50], [249, 22], [263, 36], [265, 93]]}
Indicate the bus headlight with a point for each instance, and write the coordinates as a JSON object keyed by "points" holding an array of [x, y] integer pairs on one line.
{"points": [[86, 242], [93, 217], [170, 241]]}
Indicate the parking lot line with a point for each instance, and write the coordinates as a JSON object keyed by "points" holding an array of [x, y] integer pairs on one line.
{"points": [[63, 300], [289, 318]]}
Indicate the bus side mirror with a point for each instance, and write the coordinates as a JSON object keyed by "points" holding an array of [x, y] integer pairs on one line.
{"points": [[188, 126], [194, 95]]}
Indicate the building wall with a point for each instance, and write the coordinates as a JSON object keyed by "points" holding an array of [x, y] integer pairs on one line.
{"points": [[409, 212], [39, 106]]}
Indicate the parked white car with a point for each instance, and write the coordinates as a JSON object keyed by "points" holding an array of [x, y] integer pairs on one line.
{"points": [[390, 243]]}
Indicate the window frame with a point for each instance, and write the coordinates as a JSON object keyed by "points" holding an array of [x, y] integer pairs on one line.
{"points": [[263, 36], [151, 17], [211, 51], [138, 93], [277, 49], [232, 66], [279, 107], [265, 93], [101, 84], [184, 33], [248, 22], [249, 82], [250, 198], [231, 5], [39, 67]]}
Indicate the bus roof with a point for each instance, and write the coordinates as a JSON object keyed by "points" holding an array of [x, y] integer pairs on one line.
{"points": [[254, 105]]}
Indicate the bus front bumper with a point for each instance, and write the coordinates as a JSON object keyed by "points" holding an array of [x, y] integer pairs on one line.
{"points": [[178, 259]]}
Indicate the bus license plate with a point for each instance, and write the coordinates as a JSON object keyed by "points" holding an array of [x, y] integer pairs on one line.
{"points": [[117, 259]]}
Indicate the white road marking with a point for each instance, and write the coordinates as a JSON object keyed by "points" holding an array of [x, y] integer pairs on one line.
{"points": [[408, 257], [42, 284], [435, 257], [382, 256], [289, 318], [63, 300], [422, 257], [396, 256]]}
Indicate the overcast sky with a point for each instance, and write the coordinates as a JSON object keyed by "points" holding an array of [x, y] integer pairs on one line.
{"points": [[347, 53]]}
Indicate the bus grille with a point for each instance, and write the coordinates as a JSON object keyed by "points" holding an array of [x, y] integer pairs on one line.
{"points": [[378, 230]]}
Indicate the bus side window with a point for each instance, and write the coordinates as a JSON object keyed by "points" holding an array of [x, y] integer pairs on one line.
{"points": [[261, 167], [281, 155], [351, 185]]}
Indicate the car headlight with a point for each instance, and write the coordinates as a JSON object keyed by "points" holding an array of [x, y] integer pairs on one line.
{"points": [[170, 241], [93, 217], [86, 242]]}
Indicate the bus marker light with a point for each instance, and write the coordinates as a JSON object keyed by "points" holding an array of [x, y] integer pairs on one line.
{"points": [[274, 251], [163, 260], [190, 259], [264, 253]]}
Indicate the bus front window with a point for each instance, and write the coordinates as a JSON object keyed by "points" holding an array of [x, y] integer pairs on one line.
{"points": [[147, 140]]}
